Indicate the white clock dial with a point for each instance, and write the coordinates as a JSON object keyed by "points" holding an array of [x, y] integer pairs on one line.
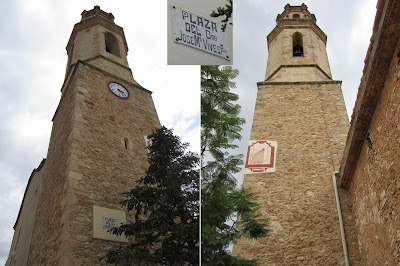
{"points": [[118, 90]]}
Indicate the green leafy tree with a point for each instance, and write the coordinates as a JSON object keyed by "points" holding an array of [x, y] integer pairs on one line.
{"points": [[165, 203], [224, 11], [221, 200]]}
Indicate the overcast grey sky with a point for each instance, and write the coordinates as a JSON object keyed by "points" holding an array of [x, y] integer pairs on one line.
{"points": [[33, 57]]}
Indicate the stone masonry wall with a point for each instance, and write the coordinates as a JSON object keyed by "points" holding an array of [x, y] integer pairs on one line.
{"points": [[88, 165], [350, 228], [47, 227], [100, 168], [309, 122], [375, 188]]}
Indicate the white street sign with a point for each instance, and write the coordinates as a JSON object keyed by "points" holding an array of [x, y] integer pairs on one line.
{"points": [[199, 32]]}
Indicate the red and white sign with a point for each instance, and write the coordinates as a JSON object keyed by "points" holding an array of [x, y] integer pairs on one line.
{"points": [[261, 157]]}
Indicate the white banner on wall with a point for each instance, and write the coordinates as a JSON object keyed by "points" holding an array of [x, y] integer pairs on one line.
{"points": [[199, 32]]}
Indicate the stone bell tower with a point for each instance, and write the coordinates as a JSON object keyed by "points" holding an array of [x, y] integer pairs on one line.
{"points": [[297, 48], [97, 149], [298, 135]]}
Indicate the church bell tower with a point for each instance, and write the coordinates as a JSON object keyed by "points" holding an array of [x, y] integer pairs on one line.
{"points": [[97, 148], [298, 134], [297, 48]]}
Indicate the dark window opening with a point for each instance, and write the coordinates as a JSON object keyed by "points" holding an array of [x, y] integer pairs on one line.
{"points": [[296, 16], [297, 50], [297, 44], [111, 44], [126, 143]]}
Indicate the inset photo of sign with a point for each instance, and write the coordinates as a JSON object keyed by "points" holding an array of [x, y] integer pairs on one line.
{"points": [[196, 38], [199, 32], [261, 157]]}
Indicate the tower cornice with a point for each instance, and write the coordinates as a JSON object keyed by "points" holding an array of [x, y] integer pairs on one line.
{"points": [[287, 21], [87, 63], [291, 66], [260, 83], [94, 17], [303, 9], [97, 11]]}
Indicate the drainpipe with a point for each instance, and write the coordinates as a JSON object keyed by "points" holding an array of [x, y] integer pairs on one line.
{"points": [[346, 256]]}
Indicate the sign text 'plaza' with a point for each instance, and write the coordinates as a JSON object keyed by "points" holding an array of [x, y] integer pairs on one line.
{"points": [[199, 32]]}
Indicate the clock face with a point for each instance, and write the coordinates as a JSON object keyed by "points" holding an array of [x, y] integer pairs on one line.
{"points": [[118, 90]]}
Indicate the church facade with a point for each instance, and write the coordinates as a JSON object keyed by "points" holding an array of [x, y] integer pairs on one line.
{"points": [[97, 148]]}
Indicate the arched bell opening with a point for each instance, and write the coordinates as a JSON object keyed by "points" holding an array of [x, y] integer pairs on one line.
{"points": [[112, 44], [297, 44]]}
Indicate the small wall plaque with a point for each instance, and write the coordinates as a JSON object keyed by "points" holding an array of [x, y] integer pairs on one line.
{"points": [[261, 157], [105, 219]]}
